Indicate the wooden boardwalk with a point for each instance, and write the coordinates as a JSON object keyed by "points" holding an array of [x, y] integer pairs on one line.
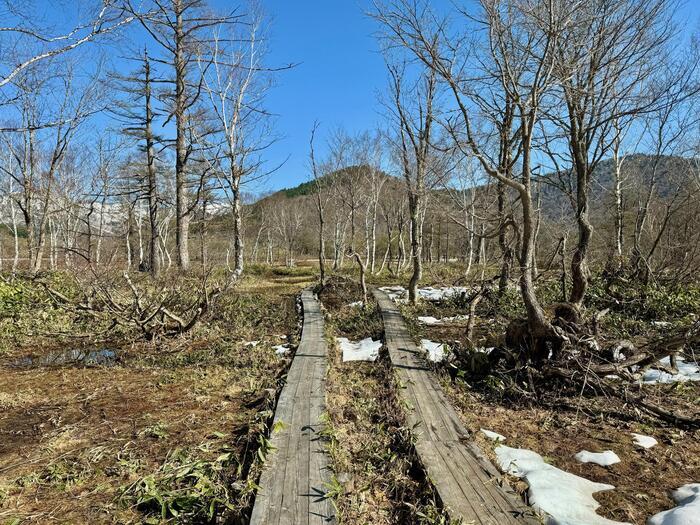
{"points": [[293, 481], [470, 487]]}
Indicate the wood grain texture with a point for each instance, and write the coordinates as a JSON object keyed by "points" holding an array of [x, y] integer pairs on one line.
{"points": [[293, 481], [470, 487]]}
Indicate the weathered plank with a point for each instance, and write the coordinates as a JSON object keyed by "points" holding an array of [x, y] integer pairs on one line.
{"points": [[293, 481], [469, 486]]}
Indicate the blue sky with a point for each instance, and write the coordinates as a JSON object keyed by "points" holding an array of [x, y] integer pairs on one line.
{"points": [[339, 76], [336, 82]]}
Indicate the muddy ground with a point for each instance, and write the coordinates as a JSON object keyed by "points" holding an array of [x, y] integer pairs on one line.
{"points": [[149, 429], [562, 423]]}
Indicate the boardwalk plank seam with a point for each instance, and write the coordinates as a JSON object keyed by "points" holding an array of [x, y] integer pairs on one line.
{"points": [[470, 487], [295, 475]]}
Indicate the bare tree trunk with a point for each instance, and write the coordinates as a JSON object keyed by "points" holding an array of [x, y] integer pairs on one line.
{"points": [[506, 251], [617, 188], [363, 271], [53, 241], [203, 236], [268, 256], [256, 245], [154, 262], [182, 213], [416, 248], [538, 223], [564, 277], [15, 233], [237, 229], [579, 266]]}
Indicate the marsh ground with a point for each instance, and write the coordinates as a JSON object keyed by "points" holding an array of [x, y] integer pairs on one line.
{"points": [[157, 429]]}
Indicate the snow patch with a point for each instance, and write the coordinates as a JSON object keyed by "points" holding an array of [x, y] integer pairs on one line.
{"points": [[440, 294], [395, 293], [434, 321], [356, 304], [604, 459], [565, 497], [365, 350], [686, 372], [436, 351], [433, 294], [281, 349], [252, 343], [644, 441], [686, 513], [493, 436]]}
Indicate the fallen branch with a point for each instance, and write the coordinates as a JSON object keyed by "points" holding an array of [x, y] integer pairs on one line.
{"points": [[580, 378]]}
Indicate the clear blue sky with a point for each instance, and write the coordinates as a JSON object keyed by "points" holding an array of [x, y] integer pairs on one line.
{"points": [[336, 82], [339, 75]]}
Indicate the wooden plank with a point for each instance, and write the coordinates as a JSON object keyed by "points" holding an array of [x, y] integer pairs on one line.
{"points": [[295, 475], [470, 487]]}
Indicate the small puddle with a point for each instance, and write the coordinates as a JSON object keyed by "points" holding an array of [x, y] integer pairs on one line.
{"points": [[81, 356]]}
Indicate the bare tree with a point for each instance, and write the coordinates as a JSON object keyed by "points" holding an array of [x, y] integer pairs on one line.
{"points": [[41, 141], [236, 81], [517, 55], [322, 197], [602, 60], [138, 113], [108, 17], [413, 111], [179, 28]]}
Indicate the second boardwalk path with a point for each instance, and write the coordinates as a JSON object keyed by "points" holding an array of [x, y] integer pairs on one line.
{"points": [[294, 479], [470, 487]]}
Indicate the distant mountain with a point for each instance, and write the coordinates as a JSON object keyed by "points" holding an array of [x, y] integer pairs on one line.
{"points": [[636, 171], [341, 176]]}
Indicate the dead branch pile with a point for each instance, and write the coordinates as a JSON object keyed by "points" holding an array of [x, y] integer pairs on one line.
{"points": [[613, 371], [166, 312]]}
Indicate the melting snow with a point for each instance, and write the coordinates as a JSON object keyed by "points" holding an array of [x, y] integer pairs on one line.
{"points": [[604, 459], [686, 513], [281, 349], [686, 372], [434, 294], [436, 351], [433, 320], [356, 304], [365, 350], [252, 343], [644, 441], [493, 436], [440, 294], [395, 293], [565, 497]]}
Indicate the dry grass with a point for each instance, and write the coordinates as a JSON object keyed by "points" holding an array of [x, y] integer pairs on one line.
{"points": [[562, 424], [377, 476], [78, 444]]}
